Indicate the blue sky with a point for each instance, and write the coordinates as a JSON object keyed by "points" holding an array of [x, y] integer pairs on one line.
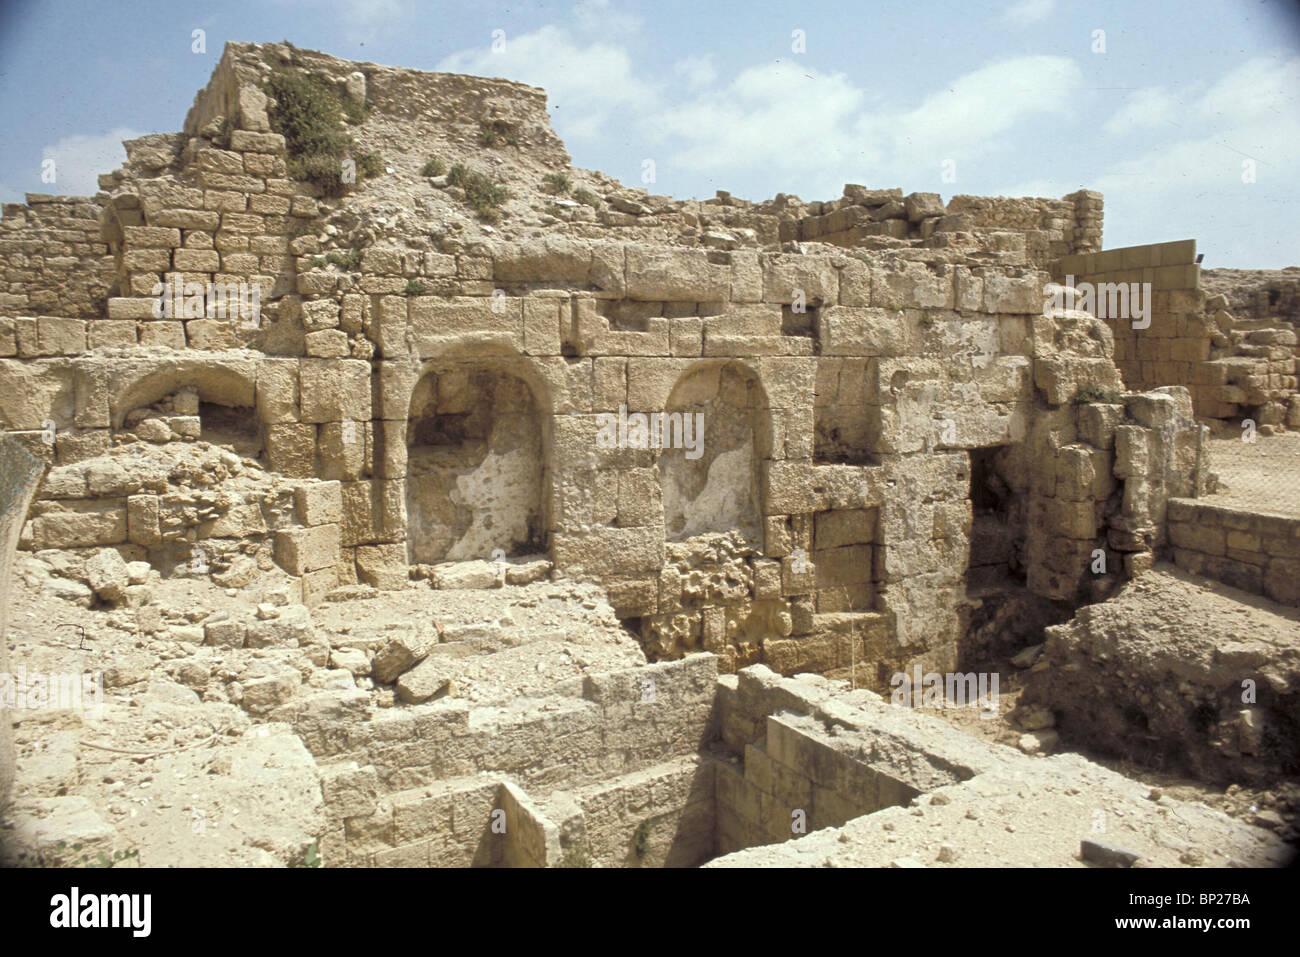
{"points": [[1190, 100]]}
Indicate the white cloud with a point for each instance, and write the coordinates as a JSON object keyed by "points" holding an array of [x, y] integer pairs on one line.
{"points": [[1143, 109], [1034, 187], [598, 17], [1250, 113], [696, 71], [362, 20], [966, 117], [762, 119], [1028, 11], [1261, 87], [78, 161]]}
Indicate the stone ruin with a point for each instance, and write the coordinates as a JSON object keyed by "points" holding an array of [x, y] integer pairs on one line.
{"points": [[505, 515]]}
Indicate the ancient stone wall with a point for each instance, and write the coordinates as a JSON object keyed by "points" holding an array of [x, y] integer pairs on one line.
{"points": [[1257, 294], [805, 498], [1177, 338], [53, 262], [1235, 367]]}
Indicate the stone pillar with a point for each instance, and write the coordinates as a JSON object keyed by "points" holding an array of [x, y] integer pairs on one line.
{"points": [[20, 473], [1087, 220]]}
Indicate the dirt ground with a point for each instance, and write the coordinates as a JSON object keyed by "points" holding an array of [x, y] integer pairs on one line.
{"points": [[1261, 476], [1276, 807]]}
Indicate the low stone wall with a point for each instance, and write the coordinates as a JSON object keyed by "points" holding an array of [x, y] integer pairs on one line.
{"points": [[662, 816], [616, 723], [1255, 552]]}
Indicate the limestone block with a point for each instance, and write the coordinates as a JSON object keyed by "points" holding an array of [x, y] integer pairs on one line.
{"points": [[610, 551], [33, 392], [334, 390], [746, 276], [608, 270], [383, 566], [785, 276], [1061, 377], [855, 283], [1097, 423], [320, 503], [468, 320], [300, 550], [89, 523], [542, 326], [657, 273], [246, 141], [863, 331], [196, 260], [60, 336], [921, 206], [551, 259], [1004, 293], [906, 283], [1132, 452], [291, 449], [640, 501], [650, 382], [343, 449], [277, 390]]}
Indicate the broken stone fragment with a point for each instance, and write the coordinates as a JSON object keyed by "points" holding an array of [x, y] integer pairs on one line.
{"points": [[263, 694], [290, 628], [399, 655], [1035, 718], [107, 574], [1038, 742], [353, 660], [624, 205], [1107, 855], [475, 574], [422, 682]]}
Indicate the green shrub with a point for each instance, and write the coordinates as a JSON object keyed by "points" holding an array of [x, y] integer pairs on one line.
{"points": [[323, 170], [349, 260], [307, 113], [310, 858], [414, 287], [557, 182], [575, 857], [354, 111], [483, 193], [641, 839], [370, 165], [587, 197], [309, 116], [1097, 393], [433, 167], [498, 131]]}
